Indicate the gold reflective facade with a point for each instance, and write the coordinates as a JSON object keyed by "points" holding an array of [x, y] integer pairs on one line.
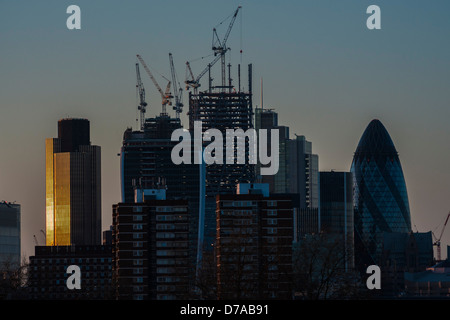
{"points": [[73, 186], [58, 200], [62, 198], [49, 192]]}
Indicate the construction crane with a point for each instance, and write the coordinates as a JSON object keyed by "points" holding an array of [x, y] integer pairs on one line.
{"points": [[178, 92], [141, 91], [195, 83], [219, 48], [437, 242], [36, 240], [165, 96]]}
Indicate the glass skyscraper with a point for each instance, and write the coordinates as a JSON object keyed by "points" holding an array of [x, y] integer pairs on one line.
{"points": [[73, 186], [380, 196], [9, 234]]}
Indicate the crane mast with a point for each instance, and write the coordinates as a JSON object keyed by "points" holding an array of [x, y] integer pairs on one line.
{"points": [[219, 52], [221, 49], [437, 243], [178, 92], [141, 92], [165, 96]]}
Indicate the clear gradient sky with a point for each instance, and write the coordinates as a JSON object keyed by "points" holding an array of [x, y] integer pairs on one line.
{"points": [[324, 72]]}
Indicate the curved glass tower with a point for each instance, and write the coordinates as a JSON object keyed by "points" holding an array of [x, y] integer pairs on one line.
{"points": [[380, 196]]}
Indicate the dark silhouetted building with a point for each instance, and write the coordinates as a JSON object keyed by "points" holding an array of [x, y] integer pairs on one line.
{"points": [[151, 247], [73, 186], [9, 235], [146, 162], [380, 196], [303, 171], [47, 275], [254, 244], [298, 170], [222, 108], [307, 222], [433, 283], [281, 181], [404, 253], [336, 210], [107, 236]]}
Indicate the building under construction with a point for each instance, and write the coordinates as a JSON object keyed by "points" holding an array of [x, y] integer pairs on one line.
{"points": [[222, 108]]}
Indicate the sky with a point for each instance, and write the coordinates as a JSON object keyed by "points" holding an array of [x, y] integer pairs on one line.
{"points": [[324, 72]]}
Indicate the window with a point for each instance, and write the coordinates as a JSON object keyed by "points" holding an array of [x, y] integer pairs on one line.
{"points": [[271, 203], [138, 271], [138, 262], [139, 280], [138, 289], [271, 239], [165, 226], [165, 235], [137, 226], [137, 217], [164, 209], [138, 253]]}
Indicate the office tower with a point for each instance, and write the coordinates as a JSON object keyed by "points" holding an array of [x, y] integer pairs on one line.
{"points": [[268, 119], [9, 235], [146, 162], [73, 186], [336, 211], [47, 277], [380, 196], [151, 247], [298, 167], [254, 244], [304, 172], [146, 158], [307, 222], [222, 108]]}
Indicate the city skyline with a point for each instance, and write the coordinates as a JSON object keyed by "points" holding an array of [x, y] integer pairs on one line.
{"points": [[325, 74]]}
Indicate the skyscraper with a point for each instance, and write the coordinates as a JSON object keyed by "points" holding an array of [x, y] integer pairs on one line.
{"points": [[304, 172], [146, 162], [222, 108], [73, 186], [268, 119], [9, 235], [298, 167], [380, 196], [336, 210]]}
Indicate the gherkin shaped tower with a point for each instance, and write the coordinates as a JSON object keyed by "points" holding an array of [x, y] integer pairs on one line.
{"points": [[380, 196]]}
